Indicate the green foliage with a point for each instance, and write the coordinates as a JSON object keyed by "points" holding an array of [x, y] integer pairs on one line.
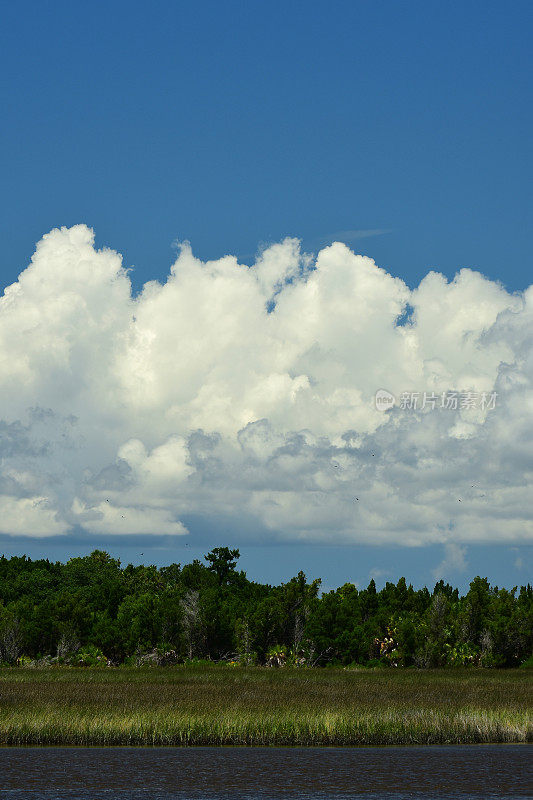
{"points": [[89, 656], [222, 562], [375, 663], [93, 610]]}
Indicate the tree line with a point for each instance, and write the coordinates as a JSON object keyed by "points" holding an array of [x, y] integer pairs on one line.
{"points": [[91, 610]]}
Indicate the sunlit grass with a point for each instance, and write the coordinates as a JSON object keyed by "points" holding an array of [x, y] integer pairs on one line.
{"points": [[198, 705]]}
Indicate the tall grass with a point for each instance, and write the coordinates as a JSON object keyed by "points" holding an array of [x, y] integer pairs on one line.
{"points": [[199, 705]]}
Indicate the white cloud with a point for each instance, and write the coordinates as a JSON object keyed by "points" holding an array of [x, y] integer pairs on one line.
{"points": [[377, 572], [30, 516], [107, 517], [454, 561], [248, 393]]}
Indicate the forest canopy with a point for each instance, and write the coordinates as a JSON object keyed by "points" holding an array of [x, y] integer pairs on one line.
{"points": [[91, 610]]}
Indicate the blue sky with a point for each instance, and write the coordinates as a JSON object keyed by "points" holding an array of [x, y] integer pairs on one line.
{"points": [[232, 124], [401, 129]]}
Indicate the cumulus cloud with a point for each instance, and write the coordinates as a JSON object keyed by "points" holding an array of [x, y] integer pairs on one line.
{"points": [[242, 392]]}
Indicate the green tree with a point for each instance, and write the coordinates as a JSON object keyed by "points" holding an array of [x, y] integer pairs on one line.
{"points": [[222, 562]]}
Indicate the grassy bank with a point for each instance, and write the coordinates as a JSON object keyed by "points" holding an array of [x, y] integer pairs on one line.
{"points": [[258, 706]]}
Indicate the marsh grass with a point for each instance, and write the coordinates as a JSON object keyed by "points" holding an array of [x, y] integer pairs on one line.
{"points": [[202, 705]]}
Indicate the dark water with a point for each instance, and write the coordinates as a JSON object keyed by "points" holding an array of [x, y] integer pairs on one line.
{"points": [[425, 773]]}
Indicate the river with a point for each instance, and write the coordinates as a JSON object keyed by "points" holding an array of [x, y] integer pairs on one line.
{"points": [[161, 773]]}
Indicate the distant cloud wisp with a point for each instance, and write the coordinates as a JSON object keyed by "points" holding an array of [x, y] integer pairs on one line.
{"points": [[353, 235]]}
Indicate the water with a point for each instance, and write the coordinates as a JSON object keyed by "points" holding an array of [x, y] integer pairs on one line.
{"points": [[425, 773]]}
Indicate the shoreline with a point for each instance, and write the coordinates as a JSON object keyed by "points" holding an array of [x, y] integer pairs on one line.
{"points": [[321, 748]]}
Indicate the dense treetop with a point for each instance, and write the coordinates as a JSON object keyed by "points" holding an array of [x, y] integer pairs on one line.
{"points": [[92, 609]]}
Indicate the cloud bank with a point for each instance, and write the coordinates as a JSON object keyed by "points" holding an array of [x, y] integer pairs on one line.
{"points": [[234, 392]]}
